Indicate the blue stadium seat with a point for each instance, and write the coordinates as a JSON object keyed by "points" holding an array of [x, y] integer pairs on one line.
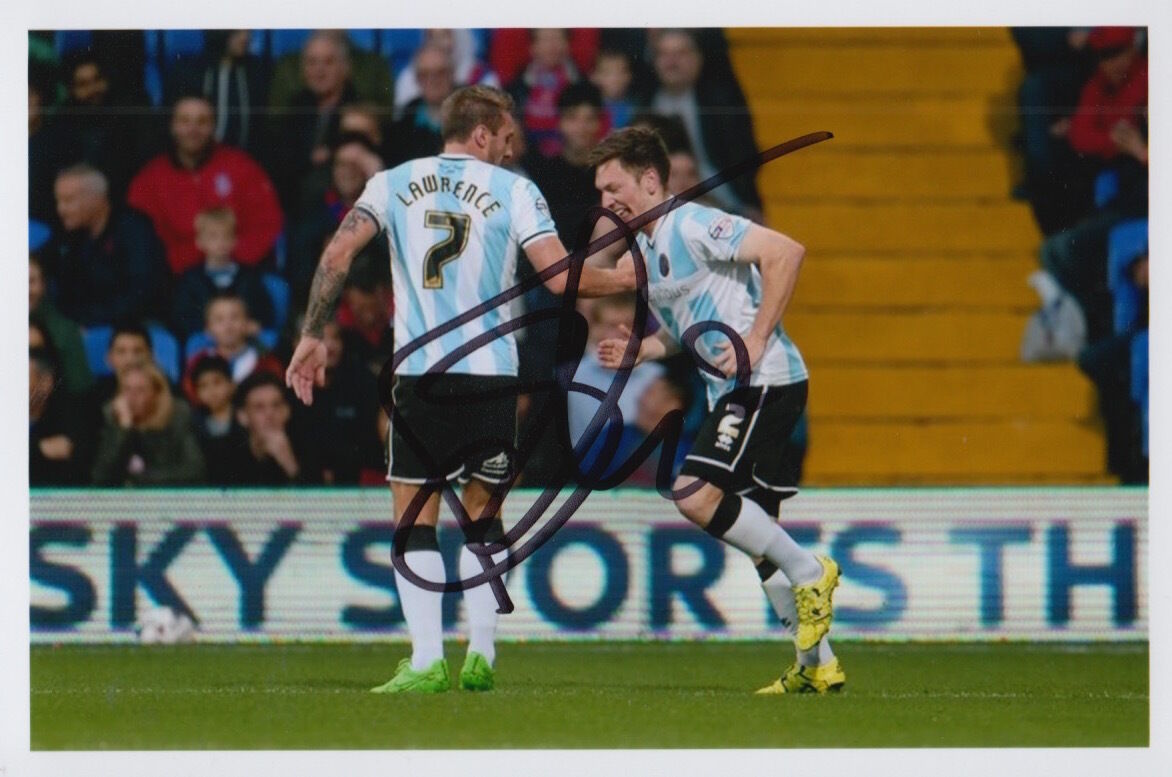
{"points": [[38, 235], [166, 351], [399, 45], [368, 40], [96, 340], [278, 289], [1124, 244], [1139, 379], [71, 40], [1106, 187], [196, 343], [182, 43], [282, 42]]}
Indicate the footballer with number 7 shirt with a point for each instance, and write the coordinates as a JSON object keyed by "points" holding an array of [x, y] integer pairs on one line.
{"points": [[707, 270], [453, 222]]}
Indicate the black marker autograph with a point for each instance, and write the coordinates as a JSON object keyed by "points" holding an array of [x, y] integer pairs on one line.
{"points": [[570, 348]]}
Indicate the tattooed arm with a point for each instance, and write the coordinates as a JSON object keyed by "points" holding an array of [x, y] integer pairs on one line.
{"points": [[308, 365]]}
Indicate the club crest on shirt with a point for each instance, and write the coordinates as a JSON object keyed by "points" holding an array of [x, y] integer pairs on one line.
{"points": [[664, 265], [223, 185], [722, 228], [541, 206]]}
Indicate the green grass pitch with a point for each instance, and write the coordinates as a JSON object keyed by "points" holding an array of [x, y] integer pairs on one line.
{"points": [[594, 694]]}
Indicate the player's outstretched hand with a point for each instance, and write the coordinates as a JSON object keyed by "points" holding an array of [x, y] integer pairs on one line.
{"points": [[307, 368], [611, 350]]}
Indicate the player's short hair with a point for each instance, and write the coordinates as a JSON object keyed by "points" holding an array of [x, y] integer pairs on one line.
{"points": [[258, 379], [637, 149], [95, 179], [222, 216], [470, 106], [133, 329], [581, 93], [210, 363]]}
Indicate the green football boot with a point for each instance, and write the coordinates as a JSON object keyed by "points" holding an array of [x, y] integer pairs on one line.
{"points": [[433, 679], [477, 674], [828, 678]]}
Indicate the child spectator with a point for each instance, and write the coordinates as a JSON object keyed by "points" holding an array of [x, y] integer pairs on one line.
{"points": [[214, 421], [460, 48], [417, 132], [215, 236], [537, 89], [266, 454], [227, 326], [146, 437], [612, 75], [198, 174]]}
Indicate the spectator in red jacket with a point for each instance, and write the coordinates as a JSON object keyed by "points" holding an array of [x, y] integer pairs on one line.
{"points": [[199, 174], [551, 69], [1116, 94]]}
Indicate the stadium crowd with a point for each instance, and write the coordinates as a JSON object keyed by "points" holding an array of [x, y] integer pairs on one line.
{"points": [[182, 184], [1084, 124]]}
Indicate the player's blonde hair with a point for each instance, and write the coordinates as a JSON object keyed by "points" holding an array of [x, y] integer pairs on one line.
{"points": [[471, 106]]}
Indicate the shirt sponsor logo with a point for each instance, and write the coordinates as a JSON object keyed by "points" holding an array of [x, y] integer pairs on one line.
{"points": [[722, 228]]}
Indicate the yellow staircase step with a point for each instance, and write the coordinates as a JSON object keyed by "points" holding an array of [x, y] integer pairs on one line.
{"points": [[814, 67], [907, 337], [965, 450], [1040, 391], [838, 171], [863, 37], [903, 121], [980, 282], [884, 225]]}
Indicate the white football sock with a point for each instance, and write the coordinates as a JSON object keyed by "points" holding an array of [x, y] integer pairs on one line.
{"points": [[480, 606], [757, 534], [781, 595], [422, 608]]}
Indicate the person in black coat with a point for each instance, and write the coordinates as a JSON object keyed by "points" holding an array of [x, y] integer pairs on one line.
{"points": [[108, 266], [59, 446], [714, 113]]}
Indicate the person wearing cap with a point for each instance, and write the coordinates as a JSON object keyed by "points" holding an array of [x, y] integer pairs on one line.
{"points": [[1116, 94]]}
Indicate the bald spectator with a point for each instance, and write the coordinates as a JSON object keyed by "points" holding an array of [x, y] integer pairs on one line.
{"points": [[417, 132], [199, 174], [108, 265], [305, 131], [460, 46], [713, 112]]}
